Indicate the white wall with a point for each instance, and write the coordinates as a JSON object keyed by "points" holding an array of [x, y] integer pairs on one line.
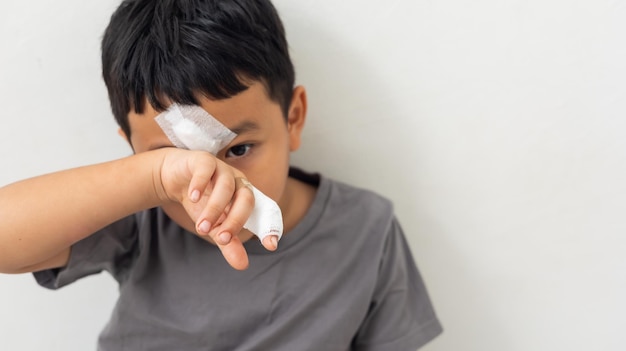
{"points": [[497, 128]]}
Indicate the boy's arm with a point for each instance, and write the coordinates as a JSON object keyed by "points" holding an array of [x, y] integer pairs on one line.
{"points": [[40, 218], [60, 260]]}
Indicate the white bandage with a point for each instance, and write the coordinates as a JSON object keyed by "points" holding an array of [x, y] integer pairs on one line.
{"points": [[266, 218], [193, 128]]}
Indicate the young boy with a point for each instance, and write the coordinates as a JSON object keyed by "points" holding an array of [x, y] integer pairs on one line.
{"points": [[167, 222]]}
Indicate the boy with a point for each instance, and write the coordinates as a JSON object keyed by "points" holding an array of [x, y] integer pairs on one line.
{"points": [[166, 222]]}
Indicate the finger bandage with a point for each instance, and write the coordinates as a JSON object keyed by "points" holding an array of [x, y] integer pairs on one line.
{"points": [[193, 128], [262, 220]]}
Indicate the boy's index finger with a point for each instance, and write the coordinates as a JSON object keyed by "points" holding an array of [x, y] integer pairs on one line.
{"points": [[235, 254]]}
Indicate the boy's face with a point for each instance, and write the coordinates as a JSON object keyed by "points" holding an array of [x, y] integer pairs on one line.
{"points": [[260, 150]]}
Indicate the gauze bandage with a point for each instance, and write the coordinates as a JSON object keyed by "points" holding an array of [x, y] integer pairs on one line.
{"points": [[265, 219], [193, 128]]}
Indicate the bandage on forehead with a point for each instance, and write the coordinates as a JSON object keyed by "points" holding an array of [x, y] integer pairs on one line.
{"points": [[191, 127]]}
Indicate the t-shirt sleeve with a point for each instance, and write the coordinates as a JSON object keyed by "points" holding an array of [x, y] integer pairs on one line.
{"points": [[401, 316], [112, 249]]}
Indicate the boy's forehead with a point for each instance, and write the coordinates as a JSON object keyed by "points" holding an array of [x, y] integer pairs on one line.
{"points": [[242, 113], [227, 111], [193, 128]]}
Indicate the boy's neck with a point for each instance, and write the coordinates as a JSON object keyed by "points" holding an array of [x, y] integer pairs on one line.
{"points": [[295, 203]]}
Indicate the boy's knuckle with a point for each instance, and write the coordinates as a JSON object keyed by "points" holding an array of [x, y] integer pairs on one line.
{"points": [[235, 223], [214, 210]]}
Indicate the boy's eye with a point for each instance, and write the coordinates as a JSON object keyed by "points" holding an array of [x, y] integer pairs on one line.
{"points": [[238, 150]]}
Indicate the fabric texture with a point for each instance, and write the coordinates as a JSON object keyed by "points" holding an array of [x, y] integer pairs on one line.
{"points": [[342, 279]]}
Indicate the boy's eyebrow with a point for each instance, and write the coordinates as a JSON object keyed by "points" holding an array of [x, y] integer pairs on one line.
{"points": [[246, 126]]}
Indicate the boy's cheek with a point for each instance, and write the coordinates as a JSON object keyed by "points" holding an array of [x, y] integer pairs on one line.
{"points": [[270, 176]]}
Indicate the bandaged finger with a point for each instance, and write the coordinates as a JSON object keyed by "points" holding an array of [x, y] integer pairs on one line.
{"points": [[191, 127]]}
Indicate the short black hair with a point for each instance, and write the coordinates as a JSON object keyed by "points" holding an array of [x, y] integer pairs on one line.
{"points": [[173, 50]]}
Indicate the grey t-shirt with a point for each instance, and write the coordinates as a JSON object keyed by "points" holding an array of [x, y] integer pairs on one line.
{"points": [[343, 279]]}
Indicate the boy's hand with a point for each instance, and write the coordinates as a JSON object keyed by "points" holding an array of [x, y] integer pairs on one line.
{"points": [[213, 195]]}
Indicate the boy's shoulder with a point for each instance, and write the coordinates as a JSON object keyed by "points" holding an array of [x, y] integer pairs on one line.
{"points": [[341, 199], [361, 210], [350, 195]]}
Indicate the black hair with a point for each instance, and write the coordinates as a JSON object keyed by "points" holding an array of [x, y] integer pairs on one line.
{"points": [[173, 50]]}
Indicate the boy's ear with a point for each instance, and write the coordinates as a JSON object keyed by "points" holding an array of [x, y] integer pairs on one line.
{"points": [[296, 117]]}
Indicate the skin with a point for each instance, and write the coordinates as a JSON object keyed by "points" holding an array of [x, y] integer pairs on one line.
{"points": [[41, 217], [260, 152]]}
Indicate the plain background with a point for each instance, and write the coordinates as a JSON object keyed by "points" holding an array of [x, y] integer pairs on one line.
{"points": [[497, 127]]}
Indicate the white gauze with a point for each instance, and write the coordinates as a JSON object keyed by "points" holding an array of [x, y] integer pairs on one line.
{"points": [[191, 127]]}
